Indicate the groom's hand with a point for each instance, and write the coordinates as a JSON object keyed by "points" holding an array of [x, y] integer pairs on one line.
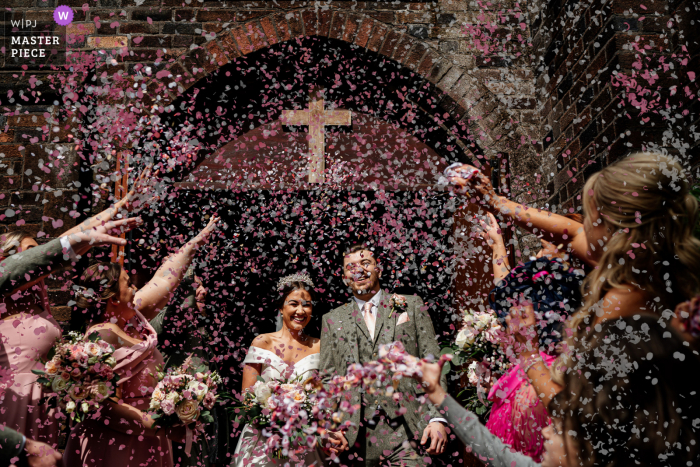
{"points": [[438, 438], [337, 439]]}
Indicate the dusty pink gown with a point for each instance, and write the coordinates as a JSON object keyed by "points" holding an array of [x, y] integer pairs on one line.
{"points": [[24, 340], [517, 416], [93, 443]]}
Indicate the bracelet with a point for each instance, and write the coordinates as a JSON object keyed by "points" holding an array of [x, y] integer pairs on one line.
{"points": [[532, 362]]}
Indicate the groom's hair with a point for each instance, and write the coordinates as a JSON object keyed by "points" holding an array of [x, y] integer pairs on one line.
{"points": [[355, 247]]}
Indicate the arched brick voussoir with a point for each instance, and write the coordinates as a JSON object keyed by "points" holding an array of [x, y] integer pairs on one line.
{"points": [[458, 93]]}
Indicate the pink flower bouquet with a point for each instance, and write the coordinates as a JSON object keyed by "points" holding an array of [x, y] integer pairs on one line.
{"points": [[80, 373], [184, 396], [294, 415]]}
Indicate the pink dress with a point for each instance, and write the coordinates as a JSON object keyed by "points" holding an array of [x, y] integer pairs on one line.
{"points": [[517, 416], [93, 443], [24, 340]]}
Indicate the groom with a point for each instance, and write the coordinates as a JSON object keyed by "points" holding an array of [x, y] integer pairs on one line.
{"points": [[382, 428]]}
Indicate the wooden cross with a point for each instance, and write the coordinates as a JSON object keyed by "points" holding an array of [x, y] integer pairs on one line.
{"points": [[316, 117]]}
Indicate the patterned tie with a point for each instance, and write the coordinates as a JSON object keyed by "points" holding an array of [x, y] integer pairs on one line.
{"points": [[369, 318]]}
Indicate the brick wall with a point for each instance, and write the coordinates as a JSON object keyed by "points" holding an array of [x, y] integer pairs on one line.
{"points": [[587, 122]]}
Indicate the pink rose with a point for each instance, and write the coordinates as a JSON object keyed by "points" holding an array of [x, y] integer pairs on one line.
{"points": [[209, 401], [167, 406]]}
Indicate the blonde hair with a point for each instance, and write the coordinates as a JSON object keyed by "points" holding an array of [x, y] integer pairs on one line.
{"points": [[97, 284], [645, 203], [10, 241]]}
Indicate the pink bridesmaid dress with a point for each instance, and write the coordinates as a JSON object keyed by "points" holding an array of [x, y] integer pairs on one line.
{"points": [[25, 339], [93, 443], [517, 416]]}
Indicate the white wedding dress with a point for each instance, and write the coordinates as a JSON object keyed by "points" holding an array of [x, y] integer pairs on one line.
{"points": [[250, 450]]}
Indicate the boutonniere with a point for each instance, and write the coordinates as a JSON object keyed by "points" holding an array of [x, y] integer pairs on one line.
{"points": [[398, 304]]}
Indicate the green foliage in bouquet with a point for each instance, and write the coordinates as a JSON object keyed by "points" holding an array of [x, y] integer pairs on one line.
{"points": [[478, 360]]}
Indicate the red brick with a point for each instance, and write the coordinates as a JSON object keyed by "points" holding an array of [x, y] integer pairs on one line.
{"points": [[310, 19], [383, 16], [390, 43], [427, 63], [7, 137], [269, 29], [256, 35], [27, 120], [241, 36], [283, 31], [217, 58], [351, 27], [377, 38], [10, 151], [338, 26], [324, 22], [363, 32], [215, 15], [296, 25], [415, 56], [403, 47], [244, 16], [230, 46]]}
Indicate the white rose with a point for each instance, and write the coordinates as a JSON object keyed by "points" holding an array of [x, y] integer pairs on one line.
{"points": [[70, 407], [158, 394], [85, 407], [461, 339], [198, 389], [102, 389], [262, 393], [484, 321], [173, 397], [59, 385]]}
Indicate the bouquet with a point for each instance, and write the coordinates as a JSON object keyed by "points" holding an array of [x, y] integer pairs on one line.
{"points": [[183, 396], [80, 372], [291, 413], [479, 357], [294, 415]]}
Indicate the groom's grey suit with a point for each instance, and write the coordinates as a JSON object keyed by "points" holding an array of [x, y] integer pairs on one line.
{"points": [[345, 339]]}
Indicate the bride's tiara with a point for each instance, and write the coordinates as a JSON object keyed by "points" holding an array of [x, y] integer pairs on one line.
{"points": [[296, 277]]}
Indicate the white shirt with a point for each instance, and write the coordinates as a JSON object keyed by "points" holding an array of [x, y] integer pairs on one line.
{"points": [[375, 301]]}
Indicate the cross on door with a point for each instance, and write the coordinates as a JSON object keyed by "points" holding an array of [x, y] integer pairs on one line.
{"points": [[316, 117]]}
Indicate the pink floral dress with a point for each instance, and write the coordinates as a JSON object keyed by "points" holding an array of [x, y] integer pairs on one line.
{"points": [[94, 443]]}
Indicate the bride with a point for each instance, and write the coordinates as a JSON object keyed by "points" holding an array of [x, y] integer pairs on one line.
{"points": [[271, 354]]}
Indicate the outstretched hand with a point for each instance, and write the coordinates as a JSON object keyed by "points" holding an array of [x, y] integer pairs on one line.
{"points": [[139, 195], [41, 455], [429, 378], [491, 231], [105, 234], [203, 236], [470, 179], [338, 442]]}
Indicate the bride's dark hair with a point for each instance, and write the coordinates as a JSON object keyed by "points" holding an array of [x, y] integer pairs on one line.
{"points": [[291, 287]]}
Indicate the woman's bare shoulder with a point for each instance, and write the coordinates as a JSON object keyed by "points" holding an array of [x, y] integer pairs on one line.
{"points": [[263, 341]]}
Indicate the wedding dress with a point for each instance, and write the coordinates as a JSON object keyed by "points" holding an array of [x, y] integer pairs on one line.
{"points": [[251, 450]]}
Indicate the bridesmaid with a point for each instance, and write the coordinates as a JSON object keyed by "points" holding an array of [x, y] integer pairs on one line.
{"points": [[27, 329], [123, 434]]}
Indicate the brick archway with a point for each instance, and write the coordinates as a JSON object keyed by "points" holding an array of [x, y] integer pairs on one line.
{"points": [[458, 97]]}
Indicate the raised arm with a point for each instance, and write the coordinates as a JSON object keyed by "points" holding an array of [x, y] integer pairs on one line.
{"points": [[134, 199], [156, 293], [553, 227], [492, 235], [26, 268]]}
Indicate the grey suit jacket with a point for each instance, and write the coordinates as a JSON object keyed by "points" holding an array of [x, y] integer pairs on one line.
{"points": [[20, 268], [10, 445], [341, 329]]}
